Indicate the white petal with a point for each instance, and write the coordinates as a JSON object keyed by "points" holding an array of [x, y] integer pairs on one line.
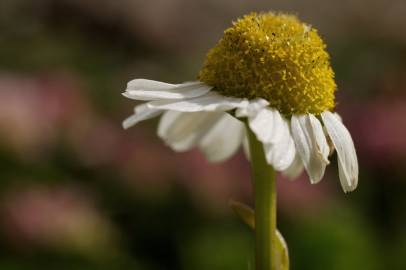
{"points": [[347, 157], [311, 145], [295, 169], [323, 148], [267, 125], [338, 117], [281, 153], [145, 91], [141, 113], [251, 108], [182, 131], [209, 102], [143, 84], [223, 139]]}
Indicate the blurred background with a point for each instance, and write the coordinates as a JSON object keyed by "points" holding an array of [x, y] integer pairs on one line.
{"points": [[79, 192]]}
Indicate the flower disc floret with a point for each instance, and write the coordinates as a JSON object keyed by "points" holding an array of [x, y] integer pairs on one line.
{"points": [[275, 57]]}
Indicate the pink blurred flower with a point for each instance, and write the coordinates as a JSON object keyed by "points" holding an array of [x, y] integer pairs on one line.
{"points": [[379, 128], [54, 217], [297, 195], [32, 110]]}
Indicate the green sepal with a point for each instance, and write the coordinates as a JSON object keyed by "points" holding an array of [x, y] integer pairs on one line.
{"points": [[247, 215], [244, 212]]}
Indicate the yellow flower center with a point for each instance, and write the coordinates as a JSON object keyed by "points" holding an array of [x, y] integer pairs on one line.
{"points": [[275, 57]]}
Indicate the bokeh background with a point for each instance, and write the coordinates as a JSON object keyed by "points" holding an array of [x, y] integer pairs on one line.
{"points": [[78, 192]]}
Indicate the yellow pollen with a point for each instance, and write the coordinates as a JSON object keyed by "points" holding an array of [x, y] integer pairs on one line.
{"points": [[275, 57]]}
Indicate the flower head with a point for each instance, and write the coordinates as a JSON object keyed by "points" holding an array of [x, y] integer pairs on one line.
{"points": [[272, 70], [275, 57]]}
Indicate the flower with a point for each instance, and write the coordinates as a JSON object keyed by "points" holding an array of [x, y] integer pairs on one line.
{"points": [[272, 70]]}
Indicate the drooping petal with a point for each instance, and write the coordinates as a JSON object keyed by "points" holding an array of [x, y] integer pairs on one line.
{"points": [[249, 110], [223, 139], [209, 102], [295, 169], [311, 145], [281, 153], [347, 157], [182, 131], [272, 130], [323, 148], [141, 113], [267, 125], [141, 89]]}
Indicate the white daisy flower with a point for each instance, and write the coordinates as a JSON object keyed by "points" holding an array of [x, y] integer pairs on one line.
{"points": [[272, 72]]}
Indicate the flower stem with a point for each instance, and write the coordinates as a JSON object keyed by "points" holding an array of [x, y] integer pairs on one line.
{"points": [[264, 182]]}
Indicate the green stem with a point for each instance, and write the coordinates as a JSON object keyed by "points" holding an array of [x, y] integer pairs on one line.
{"points": [[265, 206]]}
